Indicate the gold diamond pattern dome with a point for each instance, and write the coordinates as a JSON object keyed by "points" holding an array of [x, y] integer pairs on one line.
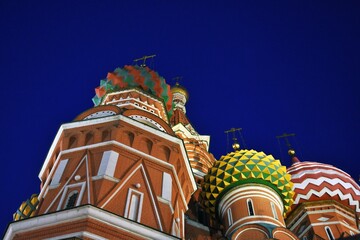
{"points": [[241, 167]]}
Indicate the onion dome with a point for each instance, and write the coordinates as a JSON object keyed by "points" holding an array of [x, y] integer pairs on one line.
{"points": [[27, 209], [180, 90], [134, 76], [242, 167], [180, 97], [315, 181]]}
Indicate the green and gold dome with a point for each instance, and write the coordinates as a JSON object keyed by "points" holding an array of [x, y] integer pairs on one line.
{"points": [[242, 167]]}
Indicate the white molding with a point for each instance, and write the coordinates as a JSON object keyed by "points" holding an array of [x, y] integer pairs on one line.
{"points": [[136, 152], [166, 189], [152, 199], [237, 224], [197, 224], [326, 223], [284, 232], [302, 214], [83, 212], [203, 138], [128, 120], [104, 113], [246, 191], [113, 179], [332, 193], [77, 234], [118, 102], [160, 199], [198, 173], [108, 163], [147, 121], [58, 173], [230, 218], [251, 228], [65, 191], [62, 189], [129, 203]]}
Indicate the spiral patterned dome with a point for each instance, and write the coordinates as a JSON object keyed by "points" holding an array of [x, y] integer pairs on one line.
{"points": [[241, 167], [315, 181], [135, 76]]}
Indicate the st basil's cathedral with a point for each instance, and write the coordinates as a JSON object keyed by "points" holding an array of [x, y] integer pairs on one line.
{"points": [[134, 167]]}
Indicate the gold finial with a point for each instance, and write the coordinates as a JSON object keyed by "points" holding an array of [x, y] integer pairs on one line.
{"points": [[144, 58], [235, 145], [291, 151]]}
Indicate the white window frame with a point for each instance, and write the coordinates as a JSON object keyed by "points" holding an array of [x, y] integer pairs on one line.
{"points": [[69, 196], [249, 200], [274, 212], [108, 163], [58, 173], [328, 230], [130, 204], [230, 218], [70, 188], [166, 191]]}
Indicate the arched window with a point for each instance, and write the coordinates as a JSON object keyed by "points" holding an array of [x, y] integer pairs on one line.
{"points": [[273, 209], [329, 233], [71, 200], [250, 207], [89, 138], [105, 135], [72, 142]]}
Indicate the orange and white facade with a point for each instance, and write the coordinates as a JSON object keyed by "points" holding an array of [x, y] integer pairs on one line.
{"points": [[117, 171], [326, 201], [134, 167]]}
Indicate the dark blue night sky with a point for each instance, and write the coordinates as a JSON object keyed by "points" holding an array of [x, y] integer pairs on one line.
{"points": [[268, 67]]}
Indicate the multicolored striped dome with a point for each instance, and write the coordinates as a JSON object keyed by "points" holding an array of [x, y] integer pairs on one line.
{"points": [[135, 76], [315, 181], [241, 167]]}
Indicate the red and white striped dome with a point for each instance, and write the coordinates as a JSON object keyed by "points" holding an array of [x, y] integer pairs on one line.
{"points": [[317, 181]]}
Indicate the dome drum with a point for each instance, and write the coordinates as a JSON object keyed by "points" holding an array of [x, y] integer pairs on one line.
{"points": [[241, 167]]}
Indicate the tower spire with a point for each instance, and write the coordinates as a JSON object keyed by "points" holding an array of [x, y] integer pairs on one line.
{"points": [[291, 150]]}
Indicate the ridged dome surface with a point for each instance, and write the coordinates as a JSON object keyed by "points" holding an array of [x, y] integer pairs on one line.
{"points": [[134, 76], [315, 181], [241, 167]]}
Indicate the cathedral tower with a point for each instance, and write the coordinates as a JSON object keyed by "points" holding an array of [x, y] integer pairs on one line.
{"points": [[118, 171]]}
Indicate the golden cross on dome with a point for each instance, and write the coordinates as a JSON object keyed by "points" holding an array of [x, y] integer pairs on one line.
{"points": [[144, 58], [236, 145]]}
